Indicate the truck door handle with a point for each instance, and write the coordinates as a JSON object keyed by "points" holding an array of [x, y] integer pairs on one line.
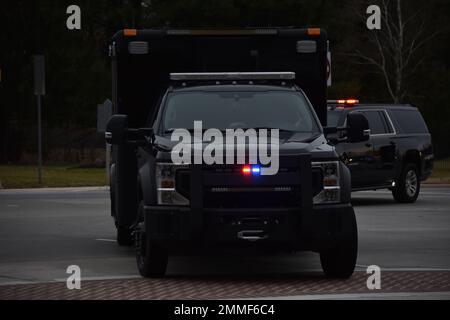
{"points": [[252, 235]]}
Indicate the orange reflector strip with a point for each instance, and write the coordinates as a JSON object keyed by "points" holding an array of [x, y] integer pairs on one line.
{"points": [[330, 182], [130, 32], [314, 31]]}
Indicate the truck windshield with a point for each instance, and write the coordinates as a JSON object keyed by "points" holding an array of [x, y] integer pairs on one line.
{"points": [[287, 111]]}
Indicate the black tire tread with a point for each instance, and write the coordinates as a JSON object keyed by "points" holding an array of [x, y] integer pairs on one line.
{"points": [[154, 263], [399, 192], [340, 261]]}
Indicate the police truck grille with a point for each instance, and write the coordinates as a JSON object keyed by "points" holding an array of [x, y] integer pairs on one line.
{"points": [[254, 197], [248, 196]]}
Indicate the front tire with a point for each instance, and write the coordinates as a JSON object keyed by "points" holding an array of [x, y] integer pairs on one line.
{"points": [[151, 257], [124, 236], [340, 261], [408, 188]]}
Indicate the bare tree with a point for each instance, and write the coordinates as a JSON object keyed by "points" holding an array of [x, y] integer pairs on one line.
{"points": [[395, 48]]}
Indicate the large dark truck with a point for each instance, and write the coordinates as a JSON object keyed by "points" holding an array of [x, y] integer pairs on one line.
{"points": [[249, 78]]}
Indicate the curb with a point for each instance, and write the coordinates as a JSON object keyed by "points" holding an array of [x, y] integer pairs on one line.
{"points": [[54, 190], [435, 185]]}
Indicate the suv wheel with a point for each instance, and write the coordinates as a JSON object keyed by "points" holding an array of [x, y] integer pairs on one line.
{"points": [[151, 258], [340, 261], [408, 188]]}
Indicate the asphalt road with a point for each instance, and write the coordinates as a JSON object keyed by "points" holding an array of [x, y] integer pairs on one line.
{"points": [[43, 232]]}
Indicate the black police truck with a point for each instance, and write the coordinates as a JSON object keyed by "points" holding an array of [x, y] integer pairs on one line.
{"points": [[164, 80]]}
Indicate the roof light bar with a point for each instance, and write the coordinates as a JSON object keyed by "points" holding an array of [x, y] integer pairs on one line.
{"points": [[344, 101], [232, 76], [219, 32]]}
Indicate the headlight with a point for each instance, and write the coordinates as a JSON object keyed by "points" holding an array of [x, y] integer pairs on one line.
{"points": [[166, 185], [332, 190]]}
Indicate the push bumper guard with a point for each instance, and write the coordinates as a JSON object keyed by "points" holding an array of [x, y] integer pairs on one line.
{"points": [[301, 227]]}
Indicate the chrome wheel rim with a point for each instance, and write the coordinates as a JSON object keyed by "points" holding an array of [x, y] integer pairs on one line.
{"points": [[411, 183]]}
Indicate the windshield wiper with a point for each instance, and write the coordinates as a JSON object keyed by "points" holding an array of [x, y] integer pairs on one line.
{"points": [[268, 129], [169, 131]]}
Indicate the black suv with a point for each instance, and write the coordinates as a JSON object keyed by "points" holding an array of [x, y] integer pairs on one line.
{"points": [[399, 154]]}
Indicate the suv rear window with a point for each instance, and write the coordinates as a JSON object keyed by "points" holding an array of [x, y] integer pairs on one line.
{"points": [[410, 121]]}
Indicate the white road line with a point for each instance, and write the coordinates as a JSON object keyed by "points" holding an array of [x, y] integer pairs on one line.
{"points": [[375, 193], [106, 240]]}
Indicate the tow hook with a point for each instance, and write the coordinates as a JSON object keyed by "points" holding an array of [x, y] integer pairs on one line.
{"points": [[252, 235]]}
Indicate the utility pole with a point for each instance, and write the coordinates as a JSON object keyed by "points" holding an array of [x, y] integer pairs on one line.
{"points": [[39, 91]]}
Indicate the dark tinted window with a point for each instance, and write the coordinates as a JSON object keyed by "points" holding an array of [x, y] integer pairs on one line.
{"points": [[377, 122], [333, 117], [387, 123], [231, 110], [410, 121]]}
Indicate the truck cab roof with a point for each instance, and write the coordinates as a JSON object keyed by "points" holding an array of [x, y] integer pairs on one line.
{"points": [[143, 60], [232, 88]]}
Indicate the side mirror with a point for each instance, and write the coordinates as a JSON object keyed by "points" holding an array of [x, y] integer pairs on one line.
{"points": [[117, 129], [118, 133], [330, 130], [332, 134], [358, 129], [141, 137]]}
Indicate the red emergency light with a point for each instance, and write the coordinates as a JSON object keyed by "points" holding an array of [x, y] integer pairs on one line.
{"points": [[247, 170]]}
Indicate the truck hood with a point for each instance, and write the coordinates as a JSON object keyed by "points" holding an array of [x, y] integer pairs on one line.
{"points": [[317, 146]]}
